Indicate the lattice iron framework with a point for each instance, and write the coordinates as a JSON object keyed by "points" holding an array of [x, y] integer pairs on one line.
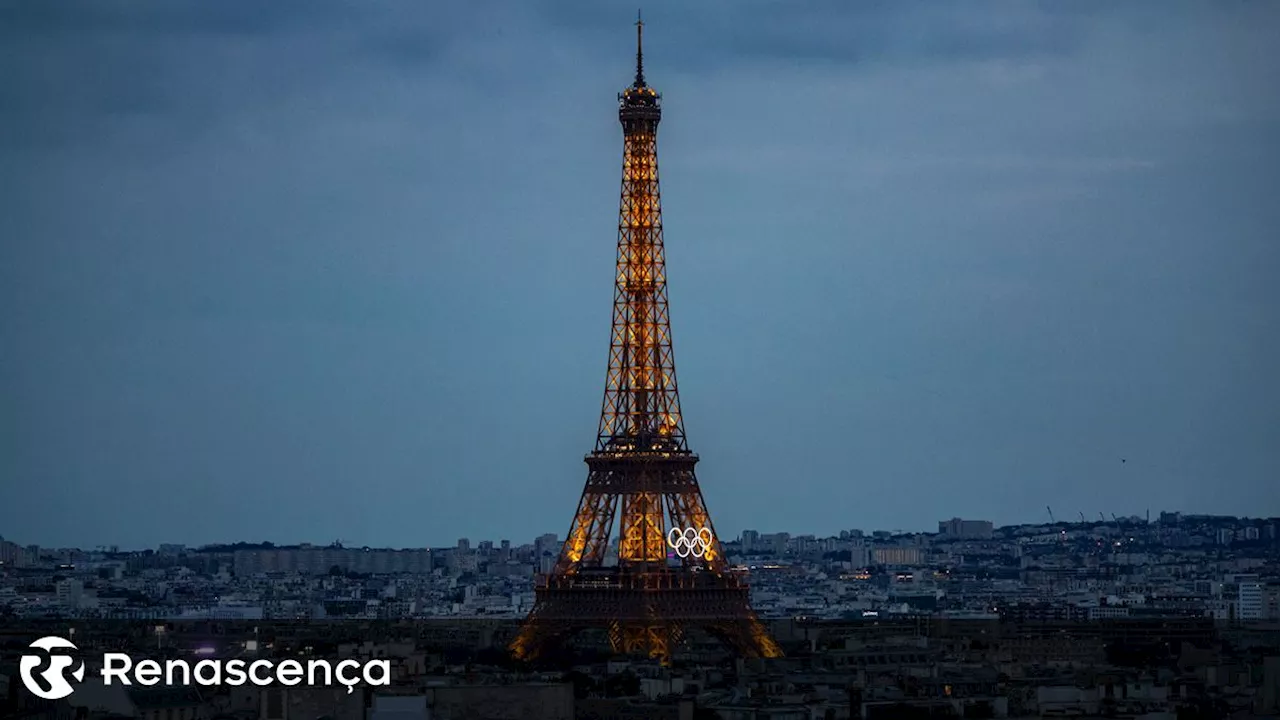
{"points": [[641, 472]]}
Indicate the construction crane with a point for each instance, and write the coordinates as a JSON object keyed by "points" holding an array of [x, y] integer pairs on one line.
{"points": [[1113, 517], [1101, 516], [1082, 520], [1051, 520]]}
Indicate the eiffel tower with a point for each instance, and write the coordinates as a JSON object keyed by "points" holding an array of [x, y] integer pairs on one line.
{"points": [[670, 574]]}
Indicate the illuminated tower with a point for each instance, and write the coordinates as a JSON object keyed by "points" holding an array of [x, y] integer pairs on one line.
{"points": [[670, 574]]}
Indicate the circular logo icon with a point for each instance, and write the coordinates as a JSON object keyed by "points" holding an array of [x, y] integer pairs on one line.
{"points": [[45, 671], [690, 542]]}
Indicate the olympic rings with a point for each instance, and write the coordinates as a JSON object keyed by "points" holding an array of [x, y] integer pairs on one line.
{"points": [[688, 542]]}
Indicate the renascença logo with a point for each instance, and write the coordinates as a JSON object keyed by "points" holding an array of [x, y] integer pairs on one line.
{"points": [[44, 673], [690, 542]]}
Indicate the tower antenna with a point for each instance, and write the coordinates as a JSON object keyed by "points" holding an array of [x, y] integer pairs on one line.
{"points": [[639, 50]]}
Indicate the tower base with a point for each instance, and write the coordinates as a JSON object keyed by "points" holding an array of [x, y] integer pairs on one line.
{"points": [[644, 613]]}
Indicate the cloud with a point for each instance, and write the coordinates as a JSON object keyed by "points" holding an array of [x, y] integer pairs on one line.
{"points": [[723, 32]]}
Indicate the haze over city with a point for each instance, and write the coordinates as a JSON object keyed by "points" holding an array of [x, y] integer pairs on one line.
{"points": [[305, 271]]}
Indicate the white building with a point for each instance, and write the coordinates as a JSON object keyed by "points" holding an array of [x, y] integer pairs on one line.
{"points": [[1248, 598], [71, 591]]}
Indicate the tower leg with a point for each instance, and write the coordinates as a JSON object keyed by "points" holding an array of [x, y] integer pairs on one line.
{"points": [[532, 640], [748, 637]]}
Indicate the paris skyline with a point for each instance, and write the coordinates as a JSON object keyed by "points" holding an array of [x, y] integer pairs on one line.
{"points": [[291, 274]]}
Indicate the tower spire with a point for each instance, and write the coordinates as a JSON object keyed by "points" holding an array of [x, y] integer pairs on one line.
{"points": [[639, 51]]}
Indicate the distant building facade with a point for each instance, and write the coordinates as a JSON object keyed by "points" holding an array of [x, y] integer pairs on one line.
{"points": [[906, 556], [318, 561], [966, 529]]}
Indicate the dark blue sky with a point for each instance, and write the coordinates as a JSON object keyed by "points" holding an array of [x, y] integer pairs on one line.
{"points": [[297, 271]]}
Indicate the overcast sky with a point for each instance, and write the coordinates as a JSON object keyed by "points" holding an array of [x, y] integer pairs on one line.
{"points": [[302, 271]]}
